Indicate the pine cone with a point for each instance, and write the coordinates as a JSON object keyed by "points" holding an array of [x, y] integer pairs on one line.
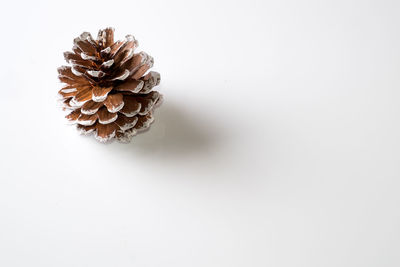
{"points": [[107, 87]]}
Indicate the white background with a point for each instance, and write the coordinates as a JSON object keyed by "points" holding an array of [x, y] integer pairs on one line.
{"points": [[277, 143]]}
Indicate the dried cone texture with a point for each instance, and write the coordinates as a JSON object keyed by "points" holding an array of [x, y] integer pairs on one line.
{"points": [[108, 87]]}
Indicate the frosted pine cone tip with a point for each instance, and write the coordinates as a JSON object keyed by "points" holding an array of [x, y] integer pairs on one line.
{"points": [[108, 87]]}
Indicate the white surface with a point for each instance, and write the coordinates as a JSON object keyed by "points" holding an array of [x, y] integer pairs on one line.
{"points": [[277, 144]]}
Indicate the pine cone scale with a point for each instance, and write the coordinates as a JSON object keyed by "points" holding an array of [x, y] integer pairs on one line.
{"points": [[131, 106], [91, 107], [133, 86], [106, 117], [99, 94], [114, 103], [126, 123], [87, 119], [105, 131], [83, 96]]}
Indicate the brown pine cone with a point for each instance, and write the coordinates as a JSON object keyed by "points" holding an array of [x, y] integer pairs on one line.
{"points": [[107, 87]]}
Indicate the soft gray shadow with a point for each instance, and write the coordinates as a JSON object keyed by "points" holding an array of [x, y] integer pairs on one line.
{"points": [[177, 133]]}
